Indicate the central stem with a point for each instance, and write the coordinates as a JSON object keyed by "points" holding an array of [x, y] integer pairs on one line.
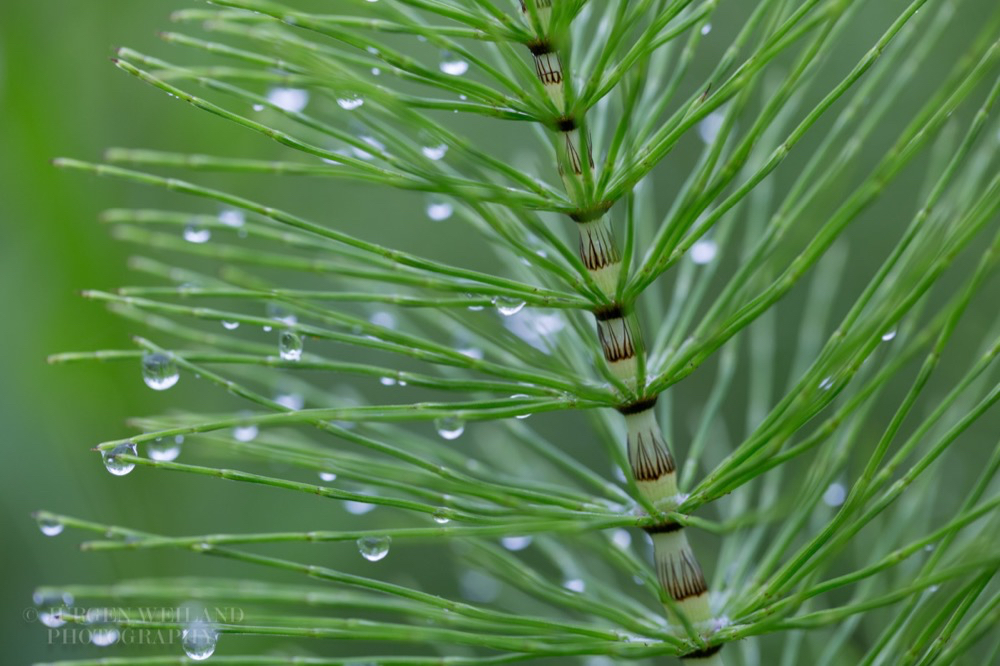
{"points": [[651, 462]]}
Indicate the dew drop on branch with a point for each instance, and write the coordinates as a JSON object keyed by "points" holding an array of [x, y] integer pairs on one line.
{"points": [[435, 152], [707, 28], [198, 640], [327, 477], [230, 325], [703, 251], [708, 128], [621, 538], [356, 508], [515, 543], [116, 465], [350, 102], [888, 335], [508, 306], [288, 99], [835, 494], [575, 585], [449, 427], [197, 234], [246, 432], [374, 549], [439, 210], [292, 401], [159, 371], [50, 526], [518, 396], [290, 345], [100, 623], [453, 65], [165, 449], [232, 217], [441, 516]]}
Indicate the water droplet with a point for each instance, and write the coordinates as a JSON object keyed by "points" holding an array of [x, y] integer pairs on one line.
{"points": [[453, 65], [51, 616], [292, 401], [164, 449], [835, 494], [232, 217], [288, 99], [517, 396], [327, 476], [449, 427], [197, 234], [439, 210], [290, 345], [826, 384], [356, 508], [50, 526], [258, 107], [441, 516], [246, 432], [374, 548], [471, 352], [515, 543], [230, 325], [708, 128], [387, 381], [889, 335], [621, 538], [376, 71], [198, 640], [383, 319], [279, 313], [575, 585], [434, 152], [116, 465], [159, 371], [707, 28], [350, 102], [508, 306], [100, 623], [704, 251]]}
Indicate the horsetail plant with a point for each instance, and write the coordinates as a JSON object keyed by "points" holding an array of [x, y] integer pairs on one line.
{"points": [[823, 360]]}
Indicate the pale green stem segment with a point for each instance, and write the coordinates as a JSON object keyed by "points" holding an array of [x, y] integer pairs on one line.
{"points": [[653, 466]]}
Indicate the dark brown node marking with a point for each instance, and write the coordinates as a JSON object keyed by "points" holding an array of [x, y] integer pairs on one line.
{"points": [[639, 406], [598, 252], [681, 576], [664, 528], [548, 68], [539, 47], [702, 654], [565, 124], [610, 311]]}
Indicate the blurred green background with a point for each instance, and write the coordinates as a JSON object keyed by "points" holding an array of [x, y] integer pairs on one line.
{"points": [[59, 95]]}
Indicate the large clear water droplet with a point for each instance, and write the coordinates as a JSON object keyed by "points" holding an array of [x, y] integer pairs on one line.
{"points": [[441, 516], [198, 640], [116, 465], [165, 449], [245, 432], [449, 427], [232, 217], [515, 543], [704, 251], [327, 476], [51, 608], [290, 345], [453, 65], [517, 396], [835, 494], [194, 233], [374, 548], [50, 526], [350, 102], [435, 152], [508, 306], [159, 371], [356, 508], [288, 99], [102, 627], [439, 210]]}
